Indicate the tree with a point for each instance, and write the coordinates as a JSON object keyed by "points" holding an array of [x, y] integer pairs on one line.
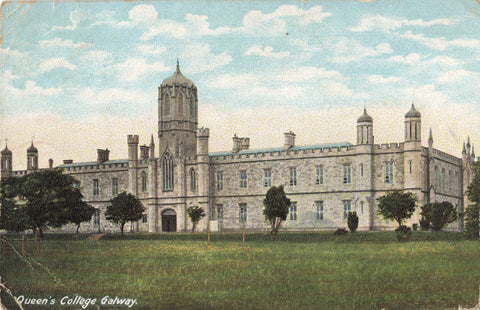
{"points": [[352, 221], [397, 206], [276, 206], [12, 217], [473, 193], [439, 214], [124, 208], [472, 227], [80, 212], [195, 214], [48, 195]]}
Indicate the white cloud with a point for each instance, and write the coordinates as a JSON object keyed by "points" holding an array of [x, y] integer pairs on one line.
{"points": [[11, 52], [105, 18], [113, 95], [57, 42], [443, 60], [348, 50], [54, 63], [31, 90], [409, 59], [265, 51], [133, 68], [141, 14], [151, 50], [387, 24], [199, 58], [258, 24], [381, 80], [425, 94], [235, 81], [302, 74], [440, 43], [97, 56], [76, 16], [454, 76]]}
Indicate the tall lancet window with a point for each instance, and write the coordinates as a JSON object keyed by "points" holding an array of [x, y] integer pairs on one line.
{"points": [[193, 181], [180, 103], [167, 172], [192, 105], [167, 104]]}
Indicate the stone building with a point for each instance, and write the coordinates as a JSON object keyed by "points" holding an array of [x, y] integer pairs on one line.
{"points": [[323, 181]]}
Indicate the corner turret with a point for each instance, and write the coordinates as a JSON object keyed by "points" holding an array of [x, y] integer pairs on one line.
{"points": [[6, 163], [365, 128], [32, 158]]}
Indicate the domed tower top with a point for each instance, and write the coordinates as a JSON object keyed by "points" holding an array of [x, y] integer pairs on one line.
{"points": [[32, 149], [178, 79], [413, 112], [365, 128], [6, 152], [365, 118]]}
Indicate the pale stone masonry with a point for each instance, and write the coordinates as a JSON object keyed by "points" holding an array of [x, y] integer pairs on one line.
{"points": [[323, 181]]}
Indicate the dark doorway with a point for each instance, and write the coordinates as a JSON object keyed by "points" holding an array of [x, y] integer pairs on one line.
{"points": [[169, 221]]}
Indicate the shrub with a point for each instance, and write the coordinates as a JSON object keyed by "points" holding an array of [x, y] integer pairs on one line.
{"points": [[403, 233], [340, 232], [424, 224], [472, 222], [352, 220], [439, 214]]}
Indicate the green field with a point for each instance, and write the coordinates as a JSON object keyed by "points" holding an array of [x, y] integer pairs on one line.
{"points": [[300, 271]]}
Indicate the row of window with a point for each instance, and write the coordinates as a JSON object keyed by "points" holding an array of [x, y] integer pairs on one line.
{"points": [[180, 103], [292, 214], [319, 176]]}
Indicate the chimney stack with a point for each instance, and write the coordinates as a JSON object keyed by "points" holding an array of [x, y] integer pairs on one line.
{"points": [[102, 156], [144, 152], [289, 140], [240, 144], [50, 163]]}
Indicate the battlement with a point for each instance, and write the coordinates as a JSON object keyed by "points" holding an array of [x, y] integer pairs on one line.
{"points": [[132, 139], [93, 166], [203, 132], [388, 146]]}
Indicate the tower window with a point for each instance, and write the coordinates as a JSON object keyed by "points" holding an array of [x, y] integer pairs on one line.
{"points": [[243, 213], [347, 207], [293, 211], [389, 173], [114, 187], [243, 178], [193, 181], [167, 104], [293, 176], [267, 177], [347, 174], [319, 205], [219, 181], [144, 182], [180, 104], [168, 177], [96, 189], [319, 175]]}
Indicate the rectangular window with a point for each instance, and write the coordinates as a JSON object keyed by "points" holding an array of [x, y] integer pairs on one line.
{"points": [[319, 175], [319, 205], [410, 166], [389, 173], [114, 187], [293, 211], [293, 176], [219, 181], [220, 212], [347, 174], [361, 170], [267, 177], [96, 189], [96, 217], [243, 213], [347, 207], [243, 178], [144, 218]]}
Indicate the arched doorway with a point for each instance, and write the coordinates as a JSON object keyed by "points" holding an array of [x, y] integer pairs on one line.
{"points": [[169, 221]]}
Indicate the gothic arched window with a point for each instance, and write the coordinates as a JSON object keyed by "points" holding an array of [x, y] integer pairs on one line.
{"points": [[144, 182], [167, 172], [180, 103], [167, 104], [193, 181], [192, 105]]}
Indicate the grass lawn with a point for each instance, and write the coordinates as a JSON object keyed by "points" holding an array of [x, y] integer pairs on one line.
{"points": [[300, 271]]}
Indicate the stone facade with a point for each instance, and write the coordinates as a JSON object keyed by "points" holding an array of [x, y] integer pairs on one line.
{"points": [[323, 181]]}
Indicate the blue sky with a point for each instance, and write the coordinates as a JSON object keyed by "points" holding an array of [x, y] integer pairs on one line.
{"points": [[82, 75]]}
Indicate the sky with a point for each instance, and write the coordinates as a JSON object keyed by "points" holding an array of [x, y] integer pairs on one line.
{"points": [[79, 76]]}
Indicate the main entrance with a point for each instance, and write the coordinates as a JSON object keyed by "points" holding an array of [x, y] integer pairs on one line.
{"points": [[169, 221]]}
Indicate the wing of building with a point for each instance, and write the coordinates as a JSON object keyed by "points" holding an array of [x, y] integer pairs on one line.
{"points": [[323, 181]]}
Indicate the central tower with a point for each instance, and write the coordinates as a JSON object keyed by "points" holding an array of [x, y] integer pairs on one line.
{"points": [[177, 116]]}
